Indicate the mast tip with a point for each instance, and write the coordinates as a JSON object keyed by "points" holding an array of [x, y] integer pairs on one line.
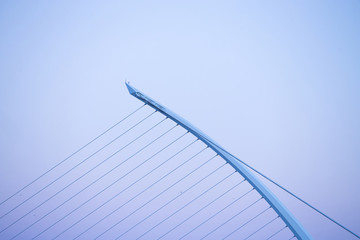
{"points": [[131, 90]]}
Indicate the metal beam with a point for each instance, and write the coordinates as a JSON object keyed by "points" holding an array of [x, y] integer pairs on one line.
{"points": [[273, 201]]}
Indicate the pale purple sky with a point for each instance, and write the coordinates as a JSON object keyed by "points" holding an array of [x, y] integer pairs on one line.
{"points": [[275, 83]]}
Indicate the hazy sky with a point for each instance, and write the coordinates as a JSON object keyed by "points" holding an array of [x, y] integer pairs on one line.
{"points": [[277, 83]]}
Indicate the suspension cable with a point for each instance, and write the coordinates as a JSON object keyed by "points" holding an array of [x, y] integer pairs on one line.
{"points": [[90, 183], [122, 192], [217, 198], [77, 165], [93, 198], [123, 218], [181, 179], [173, 199], [277, 232], [199, 196], [262, 227], [250, 220], [160, 207], [217, 213], [64, 160], [287, 191], [232, 217], [138, 166]]}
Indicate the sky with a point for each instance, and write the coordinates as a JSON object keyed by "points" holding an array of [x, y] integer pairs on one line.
{"points": [[275, 83]]}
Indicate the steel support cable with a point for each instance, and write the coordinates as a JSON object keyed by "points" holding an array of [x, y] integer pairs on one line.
{"points": [[90, 169], [109, 172], [194, 170], [165, 111], [173, 199], [119, 193], [113, 183], [277, 232], [217, 213], [145, 162], [58, 192], [292, 194], [292, 237], [162, 193], [247, 222], [214, 200], [193, 200], [262, 227], [84, 160], [64, 160], [150, 199], [93, 181], [232, 218]]}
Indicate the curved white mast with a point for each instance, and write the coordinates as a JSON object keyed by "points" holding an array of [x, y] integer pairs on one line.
{"points": [[273, 201]]}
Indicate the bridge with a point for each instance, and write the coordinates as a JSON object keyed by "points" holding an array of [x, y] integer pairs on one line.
{"points": [[152, 175]]}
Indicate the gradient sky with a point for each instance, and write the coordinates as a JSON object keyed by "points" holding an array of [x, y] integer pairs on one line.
{"points": [[275, 83]]}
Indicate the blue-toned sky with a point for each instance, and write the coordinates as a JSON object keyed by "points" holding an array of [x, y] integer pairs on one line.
{"points": [[277, 83]]}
